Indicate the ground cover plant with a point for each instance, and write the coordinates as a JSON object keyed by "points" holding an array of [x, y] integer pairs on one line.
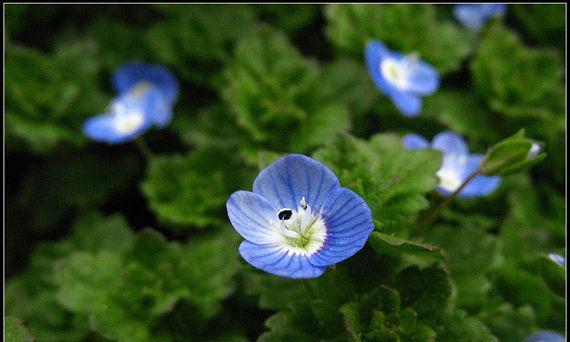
{"points": [[386, 172]]}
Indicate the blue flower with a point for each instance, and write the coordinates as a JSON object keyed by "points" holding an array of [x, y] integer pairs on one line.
{"points": [[146, 95], [560, 260], [405, 79], [474, 16], [457, 165], [545, 336], [298, 220]]}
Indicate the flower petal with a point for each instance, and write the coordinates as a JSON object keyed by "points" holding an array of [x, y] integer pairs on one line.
{"points": [[469, 16], [251, 215], [450, 143], [414, 141], [374, 52], [424, 80], [349, 223], [407, 103], [480, 185], [132, 73], [545, 336], [274, 259], [287, 180], [102, 128]]}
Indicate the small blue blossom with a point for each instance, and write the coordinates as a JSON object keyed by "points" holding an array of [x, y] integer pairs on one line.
{"points": [[146, 95], [560, 260], [298, 220], [474, 16], [457, 165], [405, 79], [545, 336]]}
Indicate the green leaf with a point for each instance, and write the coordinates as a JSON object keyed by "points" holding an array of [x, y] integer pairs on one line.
{"points": [[93, 232], [197, 40], [388, 244], [289, 18], [49, 96], [463, 113], [427, 291], [518, 81], [439, 42], [510, 324], [346, 80], [553, 275], [272, 90], [118, 43], [32, 294], [295, 325], [15, 331], [544, 32], [191, 190], [460, 327], [392, 180], [522, 287], [85, 279], [472, 254], [265, 287], [377, 316], [209, 276]]}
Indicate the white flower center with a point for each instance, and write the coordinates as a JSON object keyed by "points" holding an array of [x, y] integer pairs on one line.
{"points": [[302, 231], [127, 121], [397, 72]]}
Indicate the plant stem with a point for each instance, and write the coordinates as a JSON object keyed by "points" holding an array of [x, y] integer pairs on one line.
{"points": [[432, 214], [143, 147]]}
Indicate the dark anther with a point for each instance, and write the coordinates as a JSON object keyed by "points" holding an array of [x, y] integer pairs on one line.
{"points": [[285, 214]]}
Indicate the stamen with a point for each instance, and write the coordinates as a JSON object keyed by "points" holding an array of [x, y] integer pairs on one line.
{"points": [[285, 214], [287, 232], [304, 203]]}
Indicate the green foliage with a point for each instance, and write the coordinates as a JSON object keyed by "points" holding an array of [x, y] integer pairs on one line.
{"points": [[49, 96], [120, 282], [274, 92], [191, 190], [554, 275], [378, 316], [387, 244], [391, 179], [471, 254], [518, 81], [440, 42], [463, 113], [197, 39], [289, 18], [15, 331], [118, 43], [544, 32], [259, 82]]}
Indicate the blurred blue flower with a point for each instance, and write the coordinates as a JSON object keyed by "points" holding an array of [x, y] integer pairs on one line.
{"points": [[405, 79], [545, 336], [298, 220], [146, 95], [457, 165], [474, 16], [560, 260]]}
